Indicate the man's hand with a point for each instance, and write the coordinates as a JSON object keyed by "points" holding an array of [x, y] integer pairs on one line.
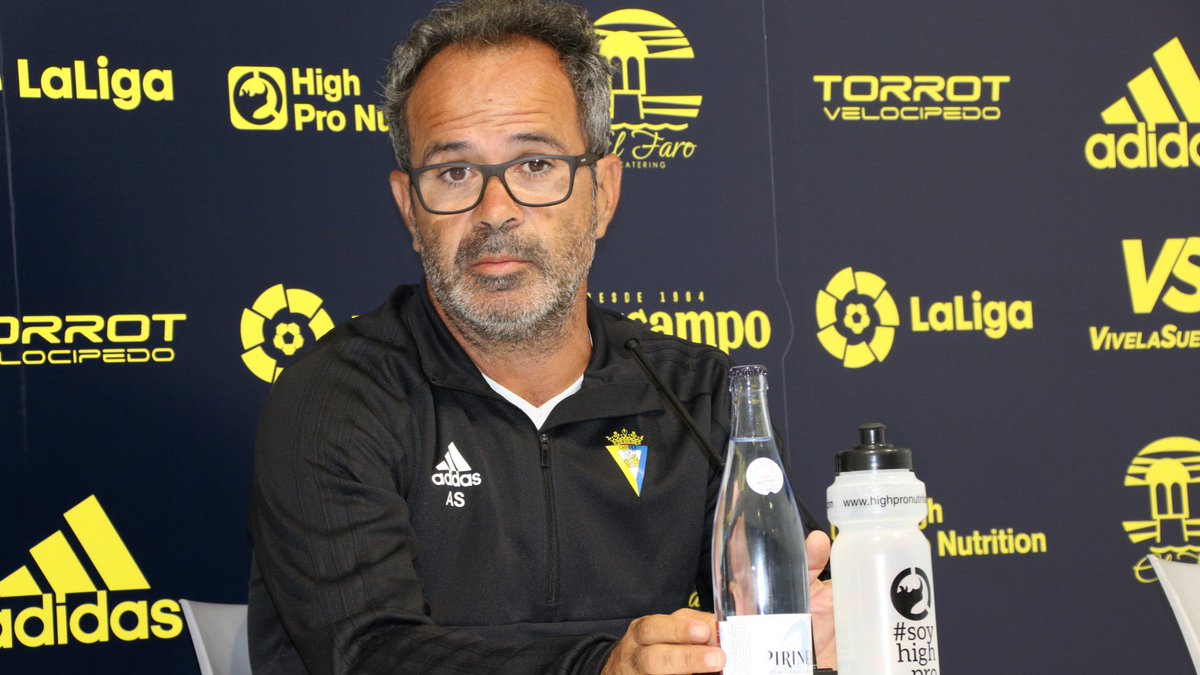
{"points": [[682, 642], [686, 641], [820, 600]]}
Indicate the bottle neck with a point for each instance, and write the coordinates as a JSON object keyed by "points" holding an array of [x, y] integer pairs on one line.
{"points": [[750, 416]]}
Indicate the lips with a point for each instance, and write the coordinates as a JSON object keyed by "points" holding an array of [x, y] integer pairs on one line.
{"points": [[498, 264], [498, 254]]}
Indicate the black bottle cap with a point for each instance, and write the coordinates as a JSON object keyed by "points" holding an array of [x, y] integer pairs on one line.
{"points": [[873, 453]]}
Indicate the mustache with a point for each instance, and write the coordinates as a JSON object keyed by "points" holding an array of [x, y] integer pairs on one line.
{"points": [[489, 242]]}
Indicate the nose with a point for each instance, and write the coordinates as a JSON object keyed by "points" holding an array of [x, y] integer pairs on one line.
{"points": [[497, 209]]}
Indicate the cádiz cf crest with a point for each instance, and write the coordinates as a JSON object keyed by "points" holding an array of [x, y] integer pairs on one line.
{"points": [[629, 453]]}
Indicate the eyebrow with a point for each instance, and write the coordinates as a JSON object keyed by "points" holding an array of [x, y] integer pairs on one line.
{"points": [[438, 148], [526, 137], [544, 139]]}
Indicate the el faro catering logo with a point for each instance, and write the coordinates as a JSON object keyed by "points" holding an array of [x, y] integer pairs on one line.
{"points": [[59, 618], [858, 319], [266, 98], [1166, 469], [278, 326], [1162, 278], [646, 127], [1158, 134]]}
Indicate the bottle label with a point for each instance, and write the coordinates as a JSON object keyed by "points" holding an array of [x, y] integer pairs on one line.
{"points": [[764, 476], [866, 500], [775, 644]]}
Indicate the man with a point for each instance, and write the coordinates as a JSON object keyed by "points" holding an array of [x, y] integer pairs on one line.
{"points": [[433, 489]]}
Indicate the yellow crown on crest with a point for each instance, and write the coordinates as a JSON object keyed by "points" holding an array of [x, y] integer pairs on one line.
{"points": [[625, 437]]}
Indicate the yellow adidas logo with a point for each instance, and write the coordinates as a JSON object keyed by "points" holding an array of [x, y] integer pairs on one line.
{"points": [[53, 622], [1145, 147]]}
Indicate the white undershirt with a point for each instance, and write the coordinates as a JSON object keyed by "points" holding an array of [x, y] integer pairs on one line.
{"points": [[537, 413]]}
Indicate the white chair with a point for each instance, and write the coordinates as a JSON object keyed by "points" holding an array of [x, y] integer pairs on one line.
{"points": [[219, 636], [1181, 583]]}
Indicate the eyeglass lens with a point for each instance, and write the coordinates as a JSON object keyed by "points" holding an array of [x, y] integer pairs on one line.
{"points": [[533, 181]]}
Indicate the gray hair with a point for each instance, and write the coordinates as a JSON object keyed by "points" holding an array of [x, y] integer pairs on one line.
{"points": [[564, 28]]}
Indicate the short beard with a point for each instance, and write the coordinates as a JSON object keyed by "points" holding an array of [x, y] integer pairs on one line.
{"points": [[478, 306]]}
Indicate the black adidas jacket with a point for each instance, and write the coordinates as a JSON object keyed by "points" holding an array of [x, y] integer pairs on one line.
{"points": [[367, 561]]}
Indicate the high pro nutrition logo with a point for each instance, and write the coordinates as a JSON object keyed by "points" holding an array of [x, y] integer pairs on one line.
{"points": [[858, 318], [77, 339], [1166, 471], [1164, 281], [278, 326], [648, 127], [270, 98], [911, 98], [64, 597], [1153, 131]]}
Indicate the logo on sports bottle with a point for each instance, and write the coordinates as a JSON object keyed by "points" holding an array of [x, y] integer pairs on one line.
{"points": [[912, 594]]}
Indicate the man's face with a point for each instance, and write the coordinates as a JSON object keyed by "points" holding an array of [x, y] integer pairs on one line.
{"points": [[507, 272]]}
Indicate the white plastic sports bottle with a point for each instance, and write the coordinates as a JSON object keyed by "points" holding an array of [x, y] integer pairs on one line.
{"points": [[760, 567], [883, 601]]}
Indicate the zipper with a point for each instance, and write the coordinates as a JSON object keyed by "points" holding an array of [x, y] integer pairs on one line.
{"points": [[552, 561]]}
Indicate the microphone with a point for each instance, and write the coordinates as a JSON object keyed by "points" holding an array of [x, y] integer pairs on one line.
{"points": [[714, 460]]}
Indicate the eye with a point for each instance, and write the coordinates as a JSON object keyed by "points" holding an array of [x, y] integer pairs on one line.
{"points": [[454, 174], [538, 165]]}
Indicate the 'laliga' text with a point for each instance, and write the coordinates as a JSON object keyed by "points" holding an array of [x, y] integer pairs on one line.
{"points": [[124, 87], [994, 317]]}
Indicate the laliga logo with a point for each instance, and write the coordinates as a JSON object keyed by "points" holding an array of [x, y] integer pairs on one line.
{"points": [[628, 39], [257, 98], [271, 335], [857, 318], [1149, 146], [1166, 468]]}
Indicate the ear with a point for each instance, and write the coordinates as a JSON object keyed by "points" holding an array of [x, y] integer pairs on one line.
{"points": [[608, 191], [402, 193]]}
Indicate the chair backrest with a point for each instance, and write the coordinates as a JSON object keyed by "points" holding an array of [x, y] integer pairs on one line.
{"points": [[1181, 583], [219, 636]]}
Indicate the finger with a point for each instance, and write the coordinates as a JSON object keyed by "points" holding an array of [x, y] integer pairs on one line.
{"points": [[817, 545], [706, 618], [673, 629], [668, 659]]}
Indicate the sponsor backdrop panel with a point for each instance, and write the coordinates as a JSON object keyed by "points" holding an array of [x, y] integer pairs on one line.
{"points": [[201, 195], [692, 248], [11, 410], [145, 227], [965, 269]]}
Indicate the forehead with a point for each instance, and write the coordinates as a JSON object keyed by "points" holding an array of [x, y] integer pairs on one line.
{"points": [[486, 97]]}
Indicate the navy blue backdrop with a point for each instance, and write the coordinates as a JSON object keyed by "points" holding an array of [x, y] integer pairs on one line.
{"points": [[976, 224]]}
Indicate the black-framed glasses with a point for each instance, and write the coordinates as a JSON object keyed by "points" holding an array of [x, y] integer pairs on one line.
{"points": [[532, 180]]}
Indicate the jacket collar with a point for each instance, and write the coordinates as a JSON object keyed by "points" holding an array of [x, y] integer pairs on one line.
{"points": [[614, 385]]}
